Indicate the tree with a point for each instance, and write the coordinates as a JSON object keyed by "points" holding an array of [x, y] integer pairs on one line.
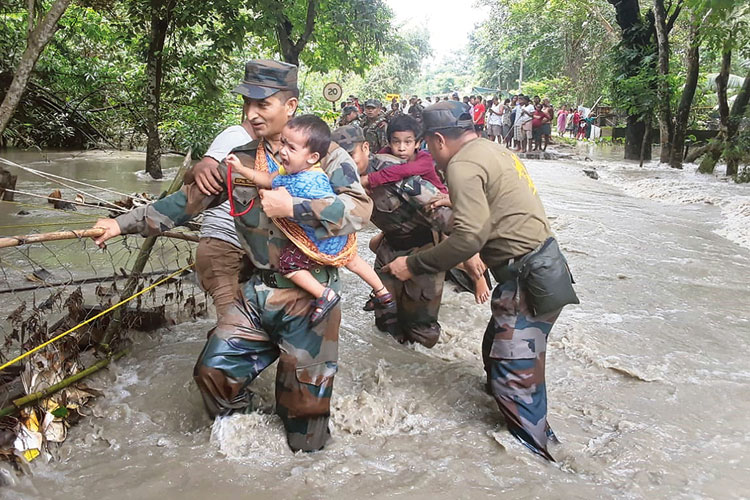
{"points": [[635, 82], [682, 116], [727, 28], [576, 49], [40, 32], [324, 34], [664, 19], [400, 67]]}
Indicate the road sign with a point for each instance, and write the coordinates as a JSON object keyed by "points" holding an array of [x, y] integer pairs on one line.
{"points": [[332, 92]]}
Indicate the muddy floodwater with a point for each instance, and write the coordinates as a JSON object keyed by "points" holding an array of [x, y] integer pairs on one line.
{"points": [[648, 379]]}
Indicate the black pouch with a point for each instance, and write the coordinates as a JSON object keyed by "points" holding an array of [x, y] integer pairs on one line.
{"points": [[547, 278]]}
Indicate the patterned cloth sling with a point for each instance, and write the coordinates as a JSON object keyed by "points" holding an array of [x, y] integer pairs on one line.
{"points": [[295, 232]]}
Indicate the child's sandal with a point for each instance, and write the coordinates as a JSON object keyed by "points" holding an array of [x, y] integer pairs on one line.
{"points": [[374, 300], [323, 306]]}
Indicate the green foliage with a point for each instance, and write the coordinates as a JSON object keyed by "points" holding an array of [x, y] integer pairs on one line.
{"points": [[95, 64], [555, 38], [558, 90], [454, 73], [348, 35]]}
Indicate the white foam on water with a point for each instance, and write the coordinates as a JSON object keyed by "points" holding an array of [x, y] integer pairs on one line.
{"points": [[373, 405], [687, 187], [254, 436]]}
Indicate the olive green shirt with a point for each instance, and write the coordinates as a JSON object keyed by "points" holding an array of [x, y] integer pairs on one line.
{"points": [[496, 208]]}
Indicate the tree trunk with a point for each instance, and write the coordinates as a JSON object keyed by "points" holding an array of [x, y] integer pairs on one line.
{"points": [[636, 38], [634, 140], [722, 80], [160, 16], [686, 100], [37, 39], [735, 117], [289, 49], [664, 91], [724, 139], [646, 142]]}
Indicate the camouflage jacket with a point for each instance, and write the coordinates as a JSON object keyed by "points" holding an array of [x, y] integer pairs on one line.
{"points": [[401, 210], [343, 213], [375, 132]]}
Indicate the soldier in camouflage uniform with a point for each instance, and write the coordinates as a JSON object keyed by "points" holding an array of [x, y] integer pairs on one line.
{"points": [[497, 212], [402, 211], [374, 125], [269, 319]]}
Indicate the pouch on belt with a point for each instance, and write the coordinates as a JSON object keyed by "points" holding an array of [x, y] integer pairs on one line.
{"points": [[545, 274]]}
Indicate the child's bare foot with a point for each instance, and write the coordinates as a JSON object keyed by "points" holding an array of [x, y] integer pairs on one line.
{"points": [[482, 291]]}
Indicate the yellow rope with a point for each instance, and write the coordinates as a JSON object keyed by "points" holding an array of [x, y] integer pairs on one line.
{"points": [[79, 325]]}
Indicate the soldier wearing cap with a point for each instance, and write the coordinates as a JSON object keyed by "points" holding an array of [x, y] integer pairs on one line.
{"points": [[498, 213], [415, 108], [349, 114], [403, 211], [269, 318], [374, 125]]}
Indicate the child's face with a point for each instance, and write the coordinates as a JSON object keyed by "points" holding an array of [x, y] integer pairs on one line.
{"points": [[404, 145], [294, 153]]}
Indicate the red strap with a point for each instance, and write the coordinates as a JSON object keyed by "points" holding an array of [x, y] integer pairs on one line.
{"points": [[232, 211]]}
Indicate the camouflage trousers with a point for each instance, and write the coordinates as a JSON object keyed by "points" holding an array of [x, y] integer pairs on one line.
{"points": [[262, 325], [417, 300], [513, 351]]}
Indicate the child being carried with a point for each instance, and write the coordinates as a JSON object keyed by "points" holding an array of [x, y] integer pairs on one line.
{"points": [[304, 143]]}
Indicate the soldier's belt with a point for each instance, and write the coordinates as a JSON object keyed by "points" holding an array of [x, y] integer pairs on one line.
{"points": [[277, 280]]}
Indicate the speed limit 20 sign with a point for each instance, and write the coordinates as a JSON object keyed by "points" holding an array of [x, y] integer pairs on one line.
{"points": [[332, 92]]}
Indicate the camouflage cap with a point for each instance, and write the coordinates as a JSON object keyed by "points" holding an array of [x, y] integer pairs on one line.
{"points": [[373, 103], [263, 78], [446, 115], [348, 137]]}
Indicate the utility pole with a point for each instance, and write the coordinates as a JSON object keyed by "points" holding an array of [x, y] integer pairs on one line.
{"points": [[520, 75]]}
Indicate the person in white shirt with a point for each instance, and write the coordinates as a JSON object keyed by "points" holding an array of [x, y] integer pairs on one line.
{"points": [[220, 260], [495, 121], [523, 123]]}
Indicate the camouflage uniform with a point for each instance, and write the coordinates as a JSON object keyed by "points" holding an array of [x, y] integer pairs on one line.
{"points": [[269, 318], [375, 131], [400, 211], [497, 211], [513, 351]]}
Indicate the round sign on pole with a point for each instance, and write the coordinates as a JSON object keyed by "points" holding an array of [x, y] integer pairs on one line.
{"points": [[332, 92]]}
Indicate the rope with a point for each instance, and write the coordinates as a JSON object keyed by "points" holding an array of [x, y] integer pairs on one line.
{"points": [[114, 207], [49, 178], [79, 325], [40, 173], [30, 205]]}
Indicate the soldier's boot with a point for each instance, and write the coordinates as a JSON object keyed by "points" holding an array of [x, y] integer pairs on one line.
{"points": [[426, 334], [386, 317]]}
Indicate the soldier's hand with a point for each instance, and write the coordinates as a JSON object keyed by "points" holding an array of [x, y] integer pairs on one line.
{"points": [[399, 269], [440, 201], [207, 177], [111, 229], [277, 202]]}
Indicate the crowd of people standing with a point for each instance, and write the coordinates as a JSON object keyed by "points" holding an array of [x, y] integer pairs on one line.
{"points": [[523, 123]]}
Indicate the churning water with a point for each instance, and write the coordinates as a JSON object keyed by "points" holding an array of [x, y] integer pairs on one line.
{"points": [[648, 382]]}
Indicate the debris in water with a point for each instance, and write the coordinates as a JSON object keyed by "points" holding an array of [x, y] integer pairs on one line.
{"points": [[591, 172]]}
